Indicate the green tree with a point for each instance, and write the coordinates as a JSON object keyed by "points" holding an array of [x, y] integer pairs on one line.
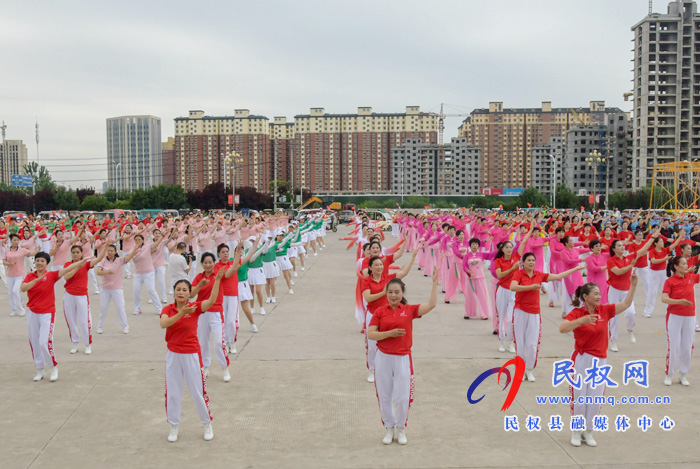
{"points": [[66, 199], [566, 198], [96, 202], [40, 175], [532, 196]]}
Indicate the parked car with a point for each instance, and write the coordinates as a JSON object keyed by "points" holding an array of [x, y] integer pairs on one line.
{"points": [[381, 218], [346, 216]]}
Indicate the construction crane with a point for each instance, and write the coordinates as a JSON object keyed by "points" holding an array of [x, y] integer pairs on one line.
{"points": [[441, 122], [3, 127], [627, 96], [578, 116]]}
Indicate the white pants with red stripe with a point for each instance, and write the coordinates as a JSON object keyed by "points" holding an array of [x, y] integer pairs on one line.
{"points": [[149, 281], [588, 411], [212, 322], [230, 319], [78, 317], [13, 284], [505, 302], [40, 329], [93, 278], [179, 368], [618, 296], [118, 297], [370, 345], [680, 336], [393, 380], [528, 332], [643, 274], [160, 282], [656, 283]]}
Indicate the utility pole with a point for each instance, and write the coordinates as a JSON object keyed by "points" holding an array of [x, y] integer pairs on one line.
{"points": [[274, 193]]}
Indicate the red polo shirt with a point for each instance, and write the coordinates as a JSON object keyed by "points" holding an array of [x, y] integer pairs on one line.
{"points": [[374, 287], [387, 318], [181, 337], [41, 296], [681, 288], [504, 265], [619, 282], [77, 285], [592, 338], [528, 301]]}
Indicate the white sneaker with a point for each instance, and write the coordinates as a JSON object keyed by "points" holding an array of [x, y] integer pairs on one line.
{"points": [[137, 312], [647, 315], [302, 268], [99, 330], [530, 376], [233, 349], [125, 330], [150, 302], [576, 438], [633, 339], [97, 292], [295, 273], [227, 376], [401, 435], [613, 345], [502, 346], [88, 350], [208, 432], [697, 328], [39, 375], [165, 301], [274, 299], [315, 254], [291, 292], [22, 313], [74, 349], [511, 347], [255, 328], [262, 312], [667, 380], [13, 314], [370, 378], [268, 300], [172, 438], [291, 282], [389, 437], [206, 371], [54, 374], [684, 380], [588, 438]]}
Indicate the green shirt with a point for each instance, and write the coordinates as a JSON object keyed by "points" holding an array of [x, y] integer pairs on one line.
{"points": [[271, 253], [243, 272]]}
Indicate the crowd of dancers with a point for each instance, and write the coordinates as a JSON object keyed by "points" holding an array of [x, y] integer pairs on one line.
{"points": [[215, 266], [502, 263]]}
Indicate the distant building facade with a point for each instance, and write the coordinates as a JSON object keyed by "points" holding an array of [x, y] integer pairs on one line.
{"points": [[13, 157], [134, 155], [547, 166], [168, 158]]}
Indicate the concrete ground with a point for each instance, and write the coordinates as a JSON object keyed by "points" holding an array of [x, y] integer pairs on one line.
{"points": [[299, 395]]}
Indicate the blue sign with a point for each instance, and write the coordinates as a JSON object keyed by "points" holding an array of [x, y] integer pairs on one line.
{"points": [[21, 180], [513, 191]]}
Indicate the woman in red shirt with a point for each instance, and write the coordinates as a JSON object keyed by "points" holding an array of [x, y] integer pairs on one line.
{"points": [[658, 258], [374, 293], [184, 360], [527, 322], [619, 272], [589, 322], [608, 237], [679, 295], [506, 263], [41, 304], [392, 328]]}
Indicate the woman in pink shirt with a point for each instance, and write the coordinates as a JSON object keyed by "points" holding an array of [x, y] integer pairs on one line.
{"points": [[158, 258], [110, 269], [60, 249], [478, 291], [28, 242], [570, 259], [597, 269], [13, 260], [144, 274], [128, 244]]}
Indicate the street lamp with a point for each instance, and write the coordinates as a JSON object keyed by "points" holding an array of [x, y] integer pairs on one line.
{"points": [[231, 159], [594, 159], [402, 181], [554, 180], [116, 177]]}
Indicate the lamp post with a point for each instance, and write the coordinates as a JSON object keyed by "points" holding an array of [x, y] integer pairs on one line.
{"points": [[116, 177], [554, 180], [402, 181], [594, 159], [231, 159]]}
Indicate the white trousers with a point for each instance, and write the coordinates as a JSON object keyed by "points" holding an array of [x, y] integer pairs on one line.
{"points": [[45, 245], [370, 345], [78, 317], [680, 336], [393, 380], [127, 269], [231, 313], [618, 296], [212, 323], [505, 302], [13, 284], [179, 368], [193, 271], [588, 411], [644, 275], [93, 278], [656, 283], [527, 329], [149, 281], [106, 296], [40, 330], [160, 282]]}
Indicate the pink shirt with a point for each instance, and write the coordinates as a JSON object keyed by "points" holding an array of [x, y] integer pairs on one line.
{"points": [[61, 255], [143, 263], [219, 237], [114, 281], [17, 257], [29, 244], [128, 244], [596, 274], [158, 257]]}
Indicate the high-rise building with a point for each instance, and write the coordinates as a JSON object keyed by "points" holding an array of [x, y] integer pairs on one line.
{"points": [[168, 151], [134, 158], [547, 165], [282, 144], [419, 168], [508, 135], [13, 157], [666, 89], [203, 142]]}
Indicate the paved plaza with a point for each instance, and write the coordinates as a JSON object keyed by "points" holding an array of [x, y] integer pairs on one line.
{"points": [[299, 396]]}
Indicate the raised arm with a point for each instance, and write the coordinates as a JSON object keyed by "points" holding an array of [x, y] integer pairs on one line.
{"points": [[424, 309], [209, 302], [407, 268]]}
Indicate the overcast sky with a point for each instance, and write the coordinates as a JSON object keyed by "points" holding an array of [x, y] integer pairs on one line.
{"points": [[72, 64]]}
